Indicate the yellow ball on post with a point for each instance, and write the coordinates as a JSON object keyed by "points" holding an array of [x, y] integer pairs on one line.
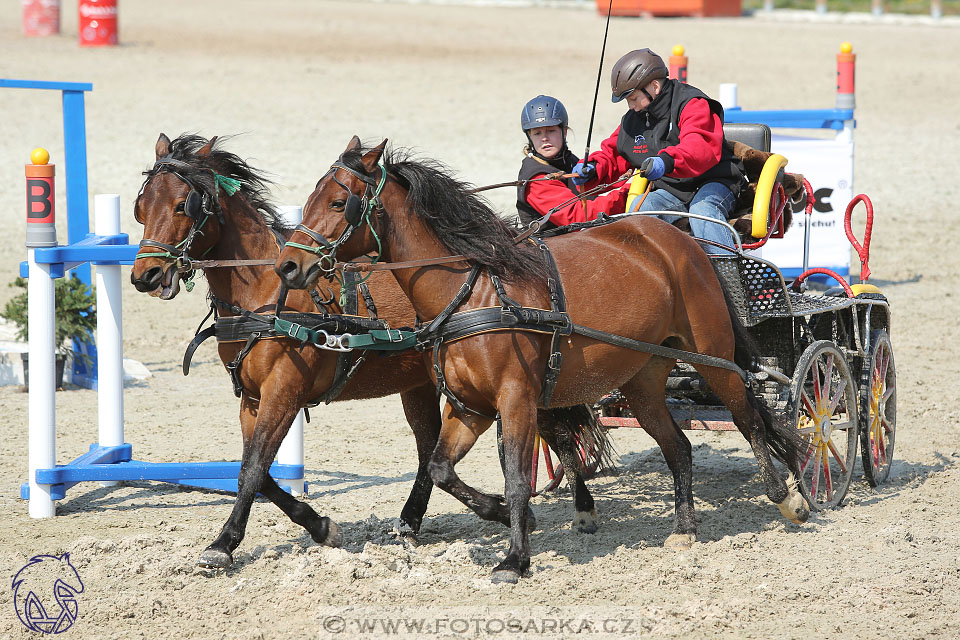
{"points": [[39, 156]]}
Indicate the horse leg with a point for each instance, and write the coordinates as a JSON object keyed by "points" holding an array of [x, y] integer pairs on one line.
{"points": [[518, 412], [263, 430], [321, 529], [423, 414], [457, 437], [645, 395], [753, 421], [565, 446]]}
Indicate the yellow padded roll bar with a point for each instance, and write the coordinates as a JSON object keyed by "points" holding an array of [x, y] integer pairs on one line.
{"points": [[765, 185], [638, 185]]}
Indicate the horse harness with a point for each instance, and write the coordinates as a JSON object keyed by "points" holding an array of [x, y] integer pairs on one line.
{"points": [[450, 326], [324, 330]]}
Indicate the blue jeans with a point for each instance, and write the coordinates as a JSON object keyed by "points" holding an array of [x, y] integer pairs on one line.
{"points": [[713, 200]]}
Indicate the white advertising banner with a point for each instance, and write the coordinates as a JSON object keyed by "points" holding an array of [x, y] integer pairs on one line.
{"points": [[828, 165]]}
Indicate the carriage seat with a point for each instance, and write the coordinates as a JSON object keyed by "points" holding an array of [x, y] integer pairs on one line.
{"points": [[751, 143]]}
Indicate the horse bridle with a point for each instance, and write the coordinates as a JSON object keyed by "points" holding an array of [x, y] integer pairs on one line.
{"points": [[356, 211], [199, 207]]}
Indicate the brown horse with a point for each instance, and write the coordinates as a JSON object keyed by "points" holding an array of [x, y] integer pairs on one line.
{"points": [[279, 378], [639, 278]]}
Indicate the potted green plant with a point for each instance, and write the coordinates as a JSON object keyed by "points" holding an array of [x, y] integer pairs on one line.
{"points": [[76, 317]]}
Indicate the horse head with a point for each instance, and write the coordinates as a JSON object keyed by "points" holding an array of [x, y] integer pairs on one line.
{"points": [[180, 208], [337, 220]]}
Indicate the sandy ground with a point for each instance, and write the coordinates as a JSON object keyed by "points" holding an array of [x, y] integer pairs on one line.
{"points": [[297, 79]]}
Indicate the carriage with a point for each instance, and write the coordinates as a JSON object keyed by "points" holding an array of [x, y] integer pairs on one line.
{"points": [[829, 365]]}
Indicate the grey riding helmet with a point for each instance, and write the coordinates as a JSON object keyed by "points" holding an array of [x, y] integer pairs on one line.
{"points": [[543, 111], [635, 70]]}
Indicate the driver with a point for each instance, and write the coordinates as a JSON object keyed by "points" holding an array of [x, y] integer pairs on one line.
{"points": [[672, 133], [544, 121]]}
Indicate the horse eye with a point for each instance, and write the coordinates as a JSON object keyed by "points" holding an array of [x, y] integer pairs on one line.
{"points": [[338, 204], [181, 207]]}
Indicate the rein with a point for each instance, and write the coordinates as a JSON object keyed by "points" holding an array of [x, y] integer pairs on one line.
{"points": [[376, 265], [559, 175]]}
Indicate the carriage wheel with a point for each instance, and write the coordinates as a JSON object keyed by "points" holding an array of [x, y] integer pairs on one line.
{"points": [[823, 406], [878, 409]]}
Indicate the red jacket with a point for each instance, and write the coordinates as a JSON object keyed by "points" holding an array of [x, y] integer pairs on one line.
{"points": [[700, 147], [547, 194]]}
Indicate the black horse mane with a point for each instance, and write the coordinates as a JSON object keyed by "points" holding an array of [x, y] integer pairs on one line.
{"points": [[464, 222], [254, 185]]}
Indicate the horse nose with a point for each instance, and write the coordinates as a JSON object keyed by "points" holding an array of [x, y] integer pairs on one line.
{"points": [[148, 280], [288, 270]]}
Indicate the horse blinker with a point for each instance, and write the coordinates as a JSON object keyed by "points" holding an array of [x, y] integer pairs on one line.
{"points": [[353, 211], [194, 204]]}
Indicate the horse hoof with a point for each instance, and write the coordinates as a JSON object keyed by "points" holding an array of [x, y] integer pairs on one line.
{"points": [[406, 534], [505, 576], [680, 541], [214, 559], [794, 507], [586, 521], [334, 535]]}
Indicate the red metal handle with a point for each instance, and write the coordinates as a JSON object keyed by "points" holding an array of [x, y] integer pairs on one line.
{"points": [[862, 251], [827, 272]]}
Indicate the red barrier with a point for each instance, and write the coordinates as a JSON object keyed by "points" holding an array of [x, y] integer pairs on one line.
{"points": [[40, 17], [98, 23]]}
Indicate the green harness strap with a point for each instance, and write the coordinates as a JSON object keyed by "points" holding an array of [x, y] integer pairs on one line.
{"points": [[375, 339], [383, 340]]}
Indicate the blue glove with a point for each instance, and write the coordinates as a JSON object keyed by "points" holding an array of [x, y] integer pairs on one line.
{"points": [[584, 172], [653, 168]]}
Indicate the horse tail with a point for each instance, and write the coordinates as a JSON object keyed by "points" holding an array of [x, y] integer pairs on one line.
{"points": [[783, 439], [570, 428]]}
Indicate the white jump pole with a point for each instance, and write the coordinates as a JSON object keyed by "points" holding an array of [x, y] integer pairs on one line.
{"points": [[109, 331], [43, 385], [41, 321], [291, 449]]}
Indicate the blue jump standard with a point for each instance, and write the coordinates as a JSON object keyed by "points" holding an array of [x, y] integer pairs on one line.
{"points": [[102, 464], [106, 464]]}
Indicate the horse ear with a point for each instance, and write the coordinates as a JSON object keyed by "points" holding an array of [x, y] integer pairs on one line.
{"points": [[163, 146], [353, 144], [372, 157], [207, 148]]}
